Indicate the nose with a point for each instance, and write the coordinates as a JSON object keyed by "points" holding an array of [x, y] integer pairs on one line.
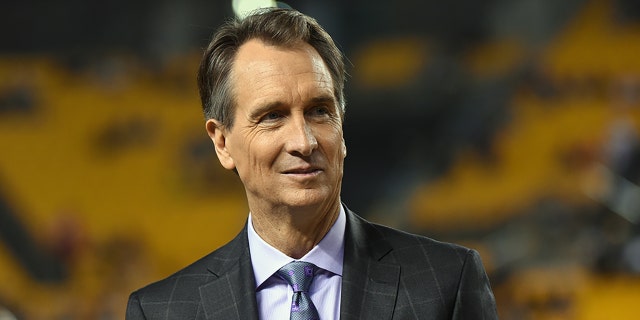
{"points": [[300, 138]]}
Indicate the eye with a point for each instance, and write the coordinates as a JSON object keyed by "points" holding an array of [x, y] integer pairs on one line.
{"points": [[319, 111], [271, 116]]}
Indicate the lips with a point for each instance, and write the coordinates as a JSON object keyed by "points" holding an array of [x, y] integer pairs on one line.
{"points": [[303, 170]]}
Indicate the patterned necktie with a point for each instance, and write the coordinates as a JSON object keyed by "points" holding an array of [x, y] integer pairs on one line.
{"points": [[299, 275]]}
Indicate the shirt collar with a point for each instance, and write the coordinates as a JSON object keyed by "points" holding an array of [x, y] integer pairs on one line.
{"points": [[327, 254]]}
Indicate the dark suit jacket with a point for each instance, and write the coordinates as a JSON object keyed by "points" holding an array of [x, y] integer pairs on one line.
{"points": [[388, 274]]}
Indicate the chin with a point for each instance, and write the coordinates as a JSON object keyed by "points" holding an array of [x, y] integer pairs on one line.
{"points": [[308, 198]]}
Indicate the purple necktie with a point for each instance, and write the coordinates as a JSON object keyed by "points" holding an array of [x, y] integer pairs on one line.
{"points": [[299, 275]]}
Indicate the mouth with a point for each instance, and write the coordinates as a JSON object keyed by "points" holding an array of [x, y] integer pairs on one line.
{"points": [[310, 170]]}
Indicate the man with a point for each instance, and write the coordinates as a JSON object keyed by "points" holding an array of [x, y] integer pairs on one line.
{"points": [[272, 91]]}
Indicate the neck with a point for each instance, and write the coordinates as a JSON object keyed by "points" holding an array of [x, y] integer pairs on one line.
{"points": [[295, 231]]}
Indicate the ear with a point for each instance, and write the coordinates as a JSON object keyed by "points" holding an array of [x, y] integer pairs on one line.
{"points": [[344, 149], [218, 135]]}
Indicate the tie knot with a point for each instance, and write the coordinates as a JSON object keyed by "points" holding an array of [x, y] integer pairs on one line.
{"points": [[298, 274]]}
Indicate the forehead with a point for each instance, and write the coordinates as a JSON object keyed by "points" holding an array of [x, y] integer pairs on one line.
{"points": [[263, 69]]}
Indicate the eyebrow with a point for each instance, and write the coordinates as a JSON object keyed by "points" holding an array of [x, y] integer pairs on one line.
{"points": [[323, 99]]}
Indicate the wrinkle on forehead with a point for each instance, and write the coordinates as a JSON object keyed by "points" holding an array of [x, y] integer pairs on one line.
{"points": [[260, 72], [272, 67]]}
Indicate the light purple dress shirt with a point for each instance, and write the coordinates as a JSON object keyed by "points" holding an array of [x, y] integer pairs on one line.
{"points": [[274, 295]]}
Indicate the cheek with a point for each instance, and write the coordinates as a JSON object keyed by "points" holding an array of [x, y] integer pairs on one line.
{"points": [[341, 148], [263, 151], [338, 150], [243, 150]]}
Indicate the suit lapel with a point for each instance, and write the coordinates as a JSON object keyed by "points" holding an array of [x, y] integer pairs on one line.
{"points": [[232, 295], [369, 285]]}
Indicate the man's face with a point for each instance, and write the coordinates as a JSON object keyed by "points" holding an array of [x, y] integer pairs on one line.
{"points": [[286, 141]]}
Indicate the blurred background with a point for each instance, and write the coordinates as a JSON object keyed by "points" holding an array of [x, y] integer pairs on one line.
{"points": [[510, 126]]}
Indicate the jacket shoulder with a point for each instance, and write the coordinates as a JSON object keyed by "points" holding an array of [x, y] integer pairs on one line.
{"points": [[421, 258], [409, 243], [182, 287], [405, 247], [436, 277]]}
